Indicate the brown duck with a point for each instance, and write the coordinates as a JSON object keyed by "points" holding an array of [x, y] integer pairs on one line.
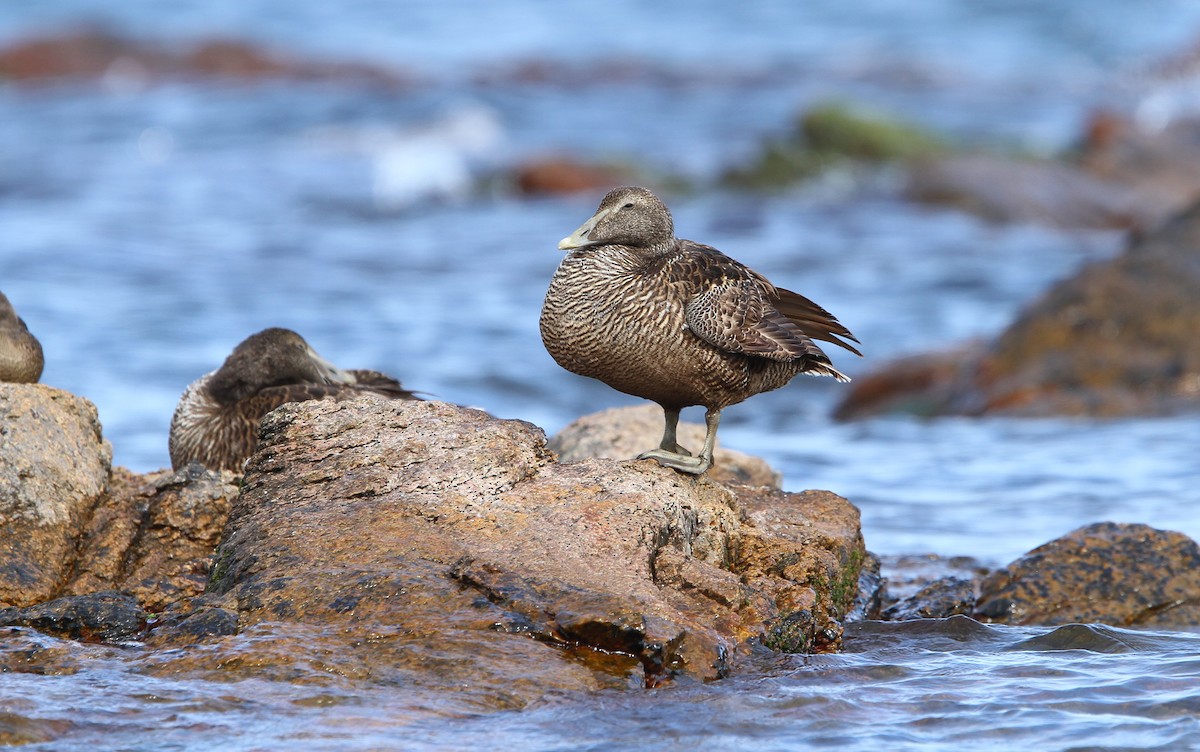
{"points": [[675, 321], [21, 360], [216, 420]]}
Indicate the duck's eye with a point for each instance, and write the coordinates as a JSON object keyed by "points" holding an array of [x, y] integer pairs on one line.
{"points": [[628, 205]]}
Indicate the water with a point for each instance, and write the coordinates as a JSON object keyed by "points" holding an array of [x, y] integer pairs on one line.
{"points": [[145, 231]]}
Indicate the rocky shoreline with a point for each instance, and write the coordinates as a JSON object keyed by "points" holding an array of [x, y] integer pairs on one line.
{"points": [[436, 545]]}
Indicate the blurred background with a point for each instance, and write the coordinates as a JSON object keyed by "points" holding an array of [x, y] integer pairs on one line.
{"points": [[390, 179]]}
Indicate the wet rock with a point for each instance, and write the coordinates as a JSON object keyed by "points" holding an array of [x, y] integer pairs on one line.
{"points": [[1005, 189], [939, 599], [552, 175], [1118, 338], [1118, 574], [96, 53], [54, 467], [97, 617], [456, 548], [154, 536], [622, 433], [74, 525]]}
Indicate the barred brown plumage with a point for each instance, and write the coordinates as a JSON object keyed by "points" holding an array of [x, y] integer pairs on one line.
{"points": [[21, 359], [216, 420], [675, 321]]}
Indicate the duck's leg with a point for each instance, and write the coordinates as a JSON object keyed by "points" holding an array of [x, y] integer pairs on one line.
{"points": [[670, 442], [683, 462]]}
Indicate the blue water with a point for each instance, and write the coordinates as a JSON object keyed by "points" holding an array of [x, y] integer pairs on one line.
{"points": [[145, 230]]}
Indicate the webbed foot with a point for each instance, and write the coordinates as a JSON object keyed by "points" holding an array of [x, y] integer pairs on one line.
{"points": [[684, 463]]}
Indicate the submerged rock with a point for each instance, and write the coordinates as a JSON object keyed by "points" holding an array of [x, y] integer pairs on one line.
{"points": [[96, 617], [454, 548], [1118, 338]]}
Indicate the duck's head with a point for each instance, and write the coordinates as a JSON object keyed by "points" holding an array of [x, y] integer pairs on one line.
{"points": [[273, 357], [630, 216]]}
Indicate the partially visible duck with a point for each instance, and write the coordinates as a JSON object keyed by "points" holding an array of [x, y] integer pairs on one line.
{"points": [[675, 321], [216, 420], [21, 360]]}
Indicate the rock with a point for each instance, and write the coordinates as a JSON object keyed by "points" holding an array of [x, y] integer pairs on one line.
{"points": [[939, 599], [622, 433], [96, 617], [93, 53], [73, 525], [1118, 338], [154, 536], [1119, 574], [1004, 189], [1161, 163], [455, 547], [54, 467], [550, 175]]}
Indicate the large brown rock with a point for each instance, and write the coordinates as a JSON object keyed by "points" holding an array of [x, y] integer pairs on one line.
{"points": [[73, 525], [622, 433], [1118, 338], [54, 467], [455, 547], [1120, 574]]}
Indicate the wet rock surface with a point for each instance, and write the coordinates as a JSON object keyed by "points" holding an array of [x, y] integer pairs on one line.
{"points": [[96, 617], [1119, 574], [1127, 575], [455, 546], [1118, 338]]}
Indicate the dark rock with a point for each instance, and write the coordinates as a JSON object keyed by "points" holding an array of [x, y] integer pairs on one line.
{"points": [[457, 547], [1004, 189], [1118, 338], [1118, 574], [937, 600], [97, 617]]}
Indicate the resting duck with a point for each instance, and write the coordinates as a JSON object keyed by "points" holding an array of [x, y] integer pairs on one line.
{"points": [[21, 360], [216, 420]]}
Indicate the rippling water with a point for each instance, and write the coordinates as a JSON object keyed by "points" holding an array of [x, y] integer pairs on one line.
{"points": [[145, 231]]}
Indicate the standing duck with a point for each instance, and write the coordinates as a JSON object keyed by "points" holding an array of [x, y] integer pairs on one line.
{"points": [[676, 322], [21, 360], [216, 420]]}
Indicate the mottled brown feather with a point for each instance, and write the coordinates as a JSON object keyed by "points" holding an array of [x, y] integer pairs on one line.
{"points": [[21, 359], [217, 419], [675, 321]]}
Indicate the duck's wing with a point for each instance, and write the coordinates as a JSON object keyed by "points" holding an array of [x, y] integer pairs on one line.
{"points": [[813, 320], [381, 383], [734, 308]]}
